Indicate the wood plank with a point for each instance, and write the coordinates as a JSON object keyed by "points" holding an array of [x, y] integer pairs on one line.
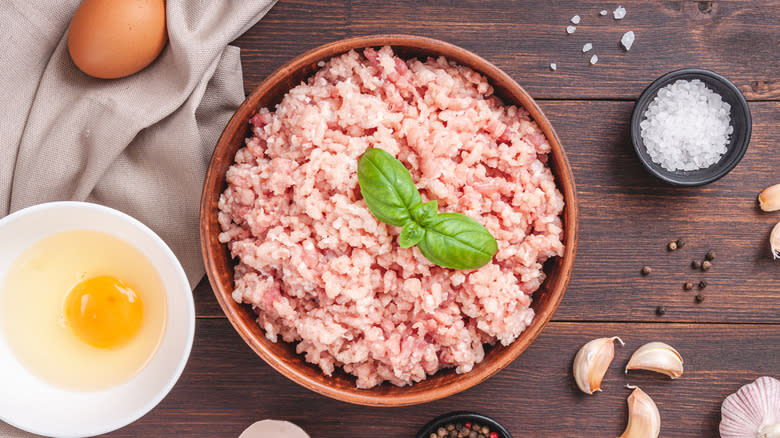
{"points": [[737, 38], [226, 387], [627, 218]]}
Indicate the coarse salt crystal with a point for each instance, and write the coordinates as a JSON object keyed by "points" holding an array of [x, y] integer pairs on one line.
{"points": [[686, 127], [587, 47], [594, 59], [570, 29], [575, 19], [619, 13], [603, 12], [627, 40], [553, 66]]}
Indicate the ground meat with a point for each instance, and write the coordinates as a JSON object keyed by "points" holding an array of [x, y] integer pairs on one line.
{"points": [[320, 270]]}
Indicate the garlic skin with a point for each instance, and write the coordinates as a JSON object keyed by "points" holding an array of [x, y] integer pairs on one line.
{"points": [[753, 411], [769, 199], [658, 357], [774, 241], [644, 420], [591, 363]]}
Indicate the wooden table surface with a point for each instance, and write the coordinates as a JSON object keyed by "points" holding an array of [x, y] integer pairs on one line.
{"points": [[627, 218]]}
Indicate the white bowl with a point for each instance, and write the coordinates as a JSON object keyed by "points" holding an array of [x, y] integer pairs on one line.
{"points": [[36, 406]]}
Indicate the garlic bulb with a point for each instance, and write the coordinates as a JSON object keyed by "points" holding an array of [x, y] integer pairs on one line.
{"points": [[753, 411], [591, 363], [774, 241], [644, 420], [658, 357]]}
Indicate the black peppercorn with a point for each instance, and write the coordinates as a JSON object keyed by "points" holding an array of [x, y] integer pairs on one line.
{"points": [[680, 243], [702, 284], [710, 255], [647, 270], [660, 310], [688, 285], [706, 265], [695, 264], [699, 298]]}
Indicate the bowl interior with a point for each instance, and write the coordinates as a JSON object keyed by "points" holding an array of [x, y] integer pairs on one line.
{"points": [[738, 142], [461, 417], [282, 356], [39, 407]]}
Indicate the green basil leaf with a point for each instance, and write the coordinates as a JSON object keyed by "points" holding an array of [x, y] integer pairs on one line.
{"points": [[455, 241], [411, 234], [387, 187], [424, 213]]}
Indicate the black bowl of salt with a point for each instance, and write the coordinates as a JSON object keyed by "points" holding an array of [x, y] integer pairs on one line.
{"points": [[690, 127]]}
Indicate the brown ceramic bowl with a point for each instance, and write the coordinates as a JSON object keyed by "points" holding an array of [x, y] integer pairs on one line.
{"points": [[282, 356]]}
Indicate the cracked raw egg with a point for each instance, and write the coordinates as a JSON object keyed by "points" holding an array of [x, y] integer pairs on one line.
{"points": [[83, 310]]}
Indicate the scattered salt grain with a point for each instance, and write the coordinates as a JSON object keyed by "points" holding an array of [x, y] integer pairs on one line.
{"points": [[587, 47], [627, 40], [686, 127], [594, 59], [553, 66], [603, 12], [619, 13], [570, 29], [575, 19]]}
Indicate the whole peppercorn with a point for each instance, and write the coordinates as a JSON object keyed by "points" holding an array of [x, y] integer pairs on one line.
{"points": [[433, 435], [672, 246], [695, 264], [702, 284], [680, 243], [706, 265], [473, 434], [699, 298], [450, 426], [441, 432], [647, 270], [485, 430], [475, 427], [710, 255], [688, 285], [660, 310]]}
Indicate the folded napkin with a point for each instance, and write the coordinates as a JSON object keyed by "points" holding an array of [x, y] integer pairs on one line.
{"points": [[140, 144]]}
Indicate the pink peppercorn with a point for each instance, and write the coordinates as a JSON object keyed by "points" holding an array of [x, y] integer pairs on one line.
{"points": [[493, 434]]}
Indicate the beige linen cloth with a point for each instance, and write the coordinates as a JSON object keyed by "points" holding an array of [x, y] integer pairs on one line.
{"points": [[140, 144]]}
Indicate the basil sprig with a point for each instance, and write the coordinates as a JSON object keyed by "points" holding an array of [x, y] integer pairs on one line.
{"points": [[451, 240]]}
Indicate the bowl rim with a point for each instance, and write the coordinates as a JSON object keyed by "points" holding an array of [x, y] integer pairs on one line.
{"points": [[570, 216], [740, 145], [453, 416], [189, 306]]}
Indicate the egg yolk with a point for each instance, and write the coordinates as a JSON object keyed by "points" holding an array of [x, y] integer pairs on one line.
{"points": [[103, 311]]}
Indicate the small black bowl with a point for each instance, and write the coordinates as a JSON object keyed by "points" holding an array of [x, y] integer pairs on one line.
{"points": [[462, 417], [738, 142]]}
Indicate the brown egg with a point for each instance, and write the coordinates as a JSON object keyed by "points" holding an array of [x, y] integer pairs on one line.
{"points": [[114, 38]]}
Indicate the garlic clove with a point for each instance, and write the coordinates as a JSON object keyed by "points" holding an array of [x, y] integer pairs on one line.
{"points": [[774, 241], [769, 199], [644, 420], [591, 363], [752, 411], [658, 357]]}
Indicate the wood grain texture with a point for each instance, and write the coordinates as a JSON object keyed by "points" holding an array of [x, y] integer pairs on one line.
{"points": [[226, 387], [739, 39], [627, 217]]}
